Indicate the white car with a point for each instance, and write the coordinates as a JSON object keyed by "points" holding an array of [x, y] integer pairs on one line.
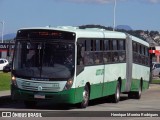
{"points": [[155, 69], [3, 62]]}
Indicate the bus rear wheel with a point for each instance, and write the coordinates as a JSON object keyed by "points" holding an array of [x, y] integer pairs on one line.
{"points": [[136, 95], [85, 99]]}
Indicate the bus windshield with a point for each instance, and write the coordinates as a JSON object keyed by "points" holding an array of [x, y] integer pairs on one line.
{"points": [[44, 59]]}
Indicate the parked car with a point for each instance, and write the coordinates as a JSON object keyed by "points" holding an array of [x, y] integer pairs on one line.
{"points": [[155, 69], [7, 68], [3, 62]]}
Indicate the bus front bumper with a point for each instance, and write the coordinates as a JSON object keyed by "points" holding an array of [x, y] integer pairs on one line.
{"points": [[66, 96]]}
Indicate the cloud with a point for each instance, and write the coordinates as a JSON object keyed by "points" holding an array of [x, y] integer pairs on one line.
{"points": [[154, 1], [108, 1], [93, 1], [150, 1]]}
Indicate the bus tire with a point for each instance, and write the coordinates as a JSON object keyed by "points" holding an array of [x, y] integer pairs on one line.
{"points": [[116, 96], [130, 95], [30, 104], [139, 92], [85, 99], [135, 95]]}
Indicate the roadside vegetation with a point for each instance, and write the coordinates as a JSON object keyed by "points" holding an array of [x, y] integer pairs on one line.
{"points": [[5, 81], [155, 81]]}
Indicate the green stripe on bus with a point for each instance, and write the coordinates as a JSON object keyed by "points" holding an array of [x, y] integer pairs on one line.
{"points": [[99, 90], [136, 83]]}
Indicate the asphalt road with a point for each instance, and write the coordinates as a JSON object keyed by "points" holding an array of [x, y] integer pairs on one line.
{"points": [[149, 102]]}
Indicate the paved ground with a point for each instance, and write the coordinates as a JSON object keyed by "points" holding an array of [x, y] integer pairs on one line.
{"points": [[149, 102], [5, 97], [5, 93]]}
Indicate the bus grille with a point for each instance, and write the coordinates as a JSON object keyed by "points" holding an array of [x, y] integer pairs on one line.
{"points": [[39, 85], [35, 88]]}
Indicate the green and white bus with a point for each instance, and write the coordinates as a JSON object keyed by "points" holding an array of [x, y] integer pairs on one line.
{"points": [[72, 65]]}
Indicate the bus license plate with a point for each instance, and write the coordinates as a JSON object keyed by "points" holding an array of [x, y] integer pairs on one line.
{"points": [[39, 96]]}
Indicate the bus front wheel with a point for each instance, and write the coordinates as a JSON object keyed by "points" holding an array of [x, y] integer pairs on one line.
{"points": [[85, 99], [116, 96]]}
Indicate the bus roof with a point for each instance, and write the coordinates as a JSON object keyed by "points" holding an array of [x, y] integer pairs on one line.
{"points": [[91, 33], [140, 41]]}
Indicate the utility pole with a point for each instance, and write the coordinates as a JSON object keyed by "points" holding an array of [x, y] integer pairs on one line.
{"points": [[2, 29], [114, 15]]}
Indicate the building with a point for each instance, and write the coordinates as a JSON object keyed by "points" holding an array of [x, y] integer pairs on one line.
{"points": [[6, 50]]}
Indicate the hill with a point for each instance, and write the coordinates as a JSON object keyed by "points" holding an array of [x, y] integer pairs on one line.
{"points": [[9, 36], [152, 37], [124, 27]]}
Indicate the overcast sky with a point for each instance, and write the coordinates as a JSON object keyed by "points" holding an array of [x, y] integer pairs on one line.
{"points": [[138, 14]]}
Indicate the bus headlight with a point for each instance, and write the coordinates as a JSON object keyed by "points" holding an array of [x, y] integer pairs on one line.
{"points": [[68, 84], [14, 80]]}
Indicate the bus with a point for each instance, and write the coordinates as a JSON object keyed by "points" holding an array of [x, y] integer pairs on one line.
{"points": [[70, 65]]}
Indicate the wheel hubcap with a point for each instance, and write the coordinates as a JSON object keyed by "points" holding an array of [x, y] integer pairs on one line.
{"points": [[140, 91], [85, 96], [118, 93]]}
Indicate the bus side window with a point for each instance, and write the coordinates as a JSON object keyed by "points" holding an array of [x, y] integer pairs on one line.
{"points": [[106, 45], [115, 57], [114, 44], [80, 54], [98, 58], [139, 53], [88, 45], [93, 45], [122, 56], [97, 45], [107, 57], [143, 55], [147, 56], [88, 58], [121, 48]]}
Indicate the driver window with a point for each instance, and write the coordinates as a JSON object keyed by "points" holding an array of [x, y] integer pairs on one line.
{"points": [[80, 53]]}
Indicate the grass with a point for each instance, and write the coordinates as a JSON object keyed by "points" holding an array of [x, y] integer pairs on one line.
{"points": [[5, 79], [155, 82]]}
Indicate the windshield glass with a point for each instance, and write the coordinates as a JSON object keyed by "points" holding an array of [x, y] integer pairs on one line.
{"points": [[44, 60]]}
